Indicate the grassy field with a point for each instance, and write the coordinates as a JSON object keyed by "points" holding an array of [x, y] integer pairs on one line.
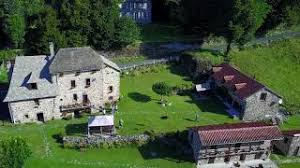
{"points": [[164, 33], [138, 115]]}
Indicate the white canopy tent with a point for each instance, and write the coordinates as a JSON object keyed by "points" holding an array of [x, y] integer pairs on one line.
{"points": [[104, 123]]}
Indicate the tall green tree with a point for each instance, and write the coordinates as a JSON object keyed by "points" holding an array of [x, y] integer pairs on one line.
{"points": [[75, 21], [44, 29], [13, 153], [103, 18], [127, 32], [244, 23]]}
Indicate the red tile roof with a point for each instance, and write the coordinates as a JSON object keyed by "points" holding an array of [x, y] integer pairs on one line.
{"points": [[237, 133], [291, 133], [243, 85]]}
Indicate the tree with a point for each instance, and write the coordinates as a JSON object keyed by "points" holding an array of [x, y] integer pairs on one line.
{"points": [[44, 29], [15, 14], [103, 18], [75, 21], [127, 32], [162, 88], [13, 153], [244, 23]]}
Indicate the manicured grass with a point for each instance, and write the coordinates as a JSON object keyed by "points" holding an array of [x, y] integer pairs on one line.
{"points": [[140, 109], [139, 115], [164, 33]]}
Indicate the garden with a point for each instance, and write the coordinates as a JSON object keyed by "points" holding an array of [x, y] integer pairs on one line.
{"points": [[141, 111]]}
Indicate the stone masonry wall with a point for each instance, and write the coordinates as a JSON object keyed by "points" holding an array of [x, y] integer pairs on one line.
{"points": [[290, 147], [256, 109], [264, 147], [66, 92], [111, 79], [26, 111]]}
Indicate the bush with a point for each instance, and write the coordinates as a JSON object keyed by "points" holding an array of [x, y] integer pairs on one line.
{"points": [[127, 32], [182, 89], [198, 68], [13, 153]]}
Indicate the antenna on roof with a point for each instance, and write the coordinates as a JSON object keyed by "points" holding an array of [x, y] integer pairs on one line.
{"points": [[51, 47]]}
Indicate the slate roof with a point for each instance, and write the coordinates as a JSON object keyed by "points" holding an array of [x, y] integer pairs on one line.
{"points": [[237, 133], [291, 133], [78, 60], [30, 69], [243, 85]]}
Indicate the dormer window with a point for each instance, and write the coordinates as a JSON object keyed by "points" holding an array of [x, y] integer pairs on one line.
{"points": [[239, 85], [32, 86]]}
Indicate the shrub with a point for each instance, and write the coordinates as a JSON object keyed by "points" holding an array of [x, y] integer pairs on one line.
{"points": [[162, 88], [13, 153]]}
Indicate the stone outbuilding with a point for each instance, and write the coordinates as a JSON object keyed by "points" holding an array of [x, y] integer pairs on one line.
{"points": [[232, 144], [50, 87], [244, 97], [139, 10], [290, 145]]}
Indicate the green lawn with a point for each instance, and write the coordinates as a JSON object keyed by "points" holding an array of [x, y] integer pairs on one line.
{"points": [[138, 116], [164, 33]]}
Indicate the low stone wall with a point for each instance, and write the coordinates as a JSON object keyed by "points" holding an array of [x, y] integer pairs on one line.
{"points": [[104, 142]]}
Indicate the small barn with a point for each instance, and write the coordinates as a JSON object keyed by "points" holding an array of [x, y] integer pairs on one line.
{"points": [[101, 125]]}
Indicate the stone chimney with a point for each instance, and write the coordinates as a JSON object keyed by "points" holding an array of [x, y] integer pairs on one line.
{"points": [[51, 47]]}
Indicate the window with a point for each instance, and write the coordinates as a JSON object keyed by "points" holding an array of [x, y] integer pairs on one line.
{"points": [[73, 84], [110, 89], [77, 73], [75, 97], [87, 82], [32, 86], [26, 116], [36, 102], [111, 98], [263, 96], [61, 74]]}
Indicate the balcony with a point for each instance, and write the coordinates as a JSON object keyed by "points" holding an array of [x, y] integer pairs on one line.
{"points": [[237, 151], [75, 106]]}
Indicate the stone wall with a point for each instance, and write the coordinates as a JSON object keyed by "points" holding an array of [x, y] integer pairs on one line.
{"points": [[289, 146], [256, 109], [100, 141], [26, 111], [98, 92]]}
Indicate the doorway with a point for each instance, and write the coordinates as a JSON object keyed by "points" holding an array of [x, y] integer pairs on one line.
{"points": [[242, 157], [211, 160], [85, 99], [40, 117]]}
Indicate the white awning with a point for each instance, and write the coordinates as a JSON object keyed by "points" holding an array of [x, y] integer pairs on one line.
{"points": [[202, 87], [99, 121]]}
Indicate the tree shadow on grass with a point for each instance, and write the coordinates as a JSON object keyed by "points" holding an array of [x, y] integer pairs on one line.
{"points": [[139, 97], [76, 129], [171, 146], [211, 105]]}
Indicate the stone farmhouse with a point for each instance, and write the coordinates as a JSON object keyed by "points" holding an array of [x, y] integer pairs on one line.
{"points": [[230, 145], [50, 87], [138, 10], [246, 98], [290, 145]]}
